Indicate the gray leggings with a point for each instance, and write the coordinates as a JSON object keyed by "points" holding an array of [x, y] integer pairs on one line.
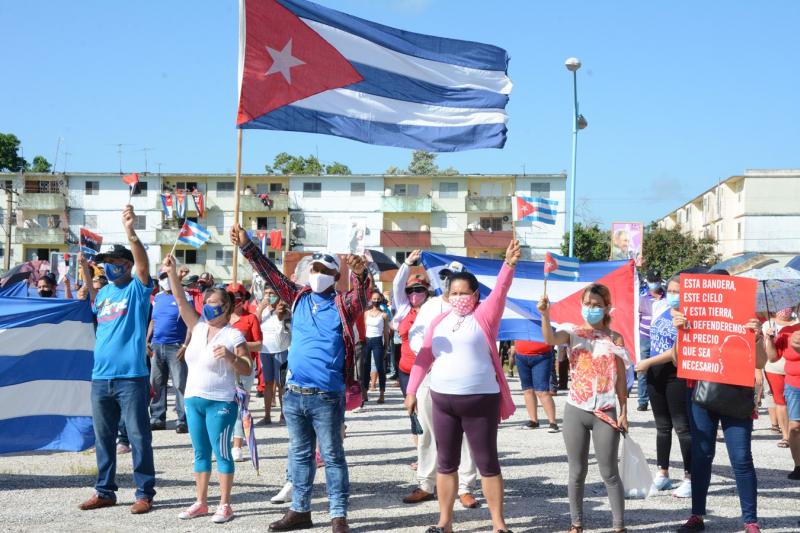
{"points": [[578, 426]]}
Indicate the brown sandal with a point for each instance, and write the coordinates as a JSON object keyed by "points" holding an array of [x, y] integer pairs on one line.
{"points": [[783, 443]]}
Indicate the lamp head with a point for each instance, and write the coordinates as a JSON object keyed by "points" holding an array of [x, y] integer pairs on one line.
{"points": [[582, 122], [572, 64]]}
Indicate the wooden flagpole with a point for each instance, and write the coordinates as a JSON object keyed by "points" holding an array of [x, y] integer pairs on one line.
{"points": [[237, 186]]}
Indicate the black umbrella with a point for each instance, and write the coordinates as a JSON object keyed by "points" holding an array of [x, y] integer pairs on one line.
{"points": [[382, 262]]}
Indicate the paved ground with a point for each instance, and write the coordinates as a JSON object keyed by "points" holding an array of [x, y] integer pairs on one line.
{"points": [[41, 492]]}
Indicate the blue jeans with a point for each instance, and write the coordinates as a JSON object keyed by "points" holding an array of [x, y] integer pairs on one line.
{"points": [[308, 417], [125, 399], [644, 397], [165, 363], [738, 433], [535, 371], [373, 358]]}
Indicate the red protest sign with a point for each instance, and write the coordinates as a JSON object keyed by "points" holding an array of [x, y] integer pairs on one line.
{"points": [[716, 345]]}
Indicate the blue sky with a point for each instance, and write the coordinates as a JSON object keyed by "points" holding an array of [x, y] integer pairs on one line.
{"points": [[677, 94]]}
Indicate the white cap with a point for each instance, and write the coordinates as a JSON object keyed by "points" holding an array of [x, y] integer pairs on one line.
{"points": [[325, 258]]}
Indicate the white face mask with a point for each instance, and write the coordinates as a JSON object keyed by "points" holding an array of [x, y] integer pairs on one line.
{"points": [[164, 284], [320, 282]]}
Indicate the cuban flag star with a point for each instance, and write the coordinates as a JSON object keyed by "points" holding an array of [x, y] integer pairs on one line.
{"points": [[307, 68], [193, 234], [534, 209]]}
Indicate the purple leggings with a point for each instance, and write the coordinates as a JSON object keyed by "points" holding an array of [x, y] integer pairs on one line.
{"points": [[477, 416]]}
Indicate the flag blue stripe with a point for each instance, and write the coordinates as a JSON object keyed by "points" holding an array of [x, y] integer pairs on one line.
{"points": [[453, 51], [434, 139], [46, 365], [535, 218], [381, 82], [19, 312], [46, 432]]}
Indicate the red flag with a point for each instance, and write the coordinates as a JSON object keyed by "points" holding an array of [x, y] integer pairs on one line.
{"points": [[522, 208], [131, 179], [275, 239], [550, 264], [285, 61], [199, 205]]}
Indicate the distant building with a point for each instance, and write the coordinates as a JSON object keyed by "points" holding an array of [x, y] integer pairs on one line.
{"points": [[757, 212]]}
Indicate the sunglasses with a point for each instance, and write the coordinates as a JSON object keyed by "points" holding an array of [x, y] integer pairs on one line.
{"points": [[416, 289], [323, 257]]}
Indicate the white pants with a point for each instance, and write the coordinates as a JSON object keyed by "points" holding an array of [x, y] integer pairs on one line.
{"points": [[426, 447]]}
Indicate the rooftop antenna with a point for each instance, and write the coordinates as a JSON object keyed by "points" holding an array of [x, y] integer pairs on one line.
{"points": [[119, 153], [66, 155], [145, 150], [55, 161], [159, 168]]}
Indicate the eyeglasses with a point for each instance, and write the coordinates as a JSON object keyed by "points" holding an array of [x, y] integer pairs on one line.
{"points": [[324, 257], [416, 289]]}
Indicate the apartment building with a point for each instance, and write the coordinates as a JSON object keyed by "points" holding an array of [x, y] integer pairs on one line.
{"points": [[757, 211]]}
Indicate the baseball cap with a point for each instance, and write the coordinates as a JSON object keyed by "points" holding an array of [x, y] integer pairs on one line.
{"points": [[189, 280], [417, 280], [117, 252], [238, 291], [451, 269], [325, 258]]}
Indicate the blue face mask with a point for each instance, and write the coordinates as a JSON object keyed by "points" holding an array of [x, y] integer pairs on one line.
{"points": [[114, 272], [674, 300], [654, 286], [273, 299], [593, 315], [210, 312]]}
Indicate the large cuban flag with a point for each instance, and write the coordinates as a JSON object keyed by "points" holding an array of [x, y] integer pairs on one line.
{"points": [[522, 321], [304, 67], [46, 347]]}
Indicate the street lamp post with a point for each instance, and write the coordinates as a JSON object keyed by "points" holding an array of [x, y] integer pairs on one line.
{"points": [[578, 123]]}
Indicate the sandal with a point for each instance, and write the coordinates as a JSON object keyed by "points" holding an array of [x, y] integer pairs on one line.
{"points": [[775, 428], [783, 443]]}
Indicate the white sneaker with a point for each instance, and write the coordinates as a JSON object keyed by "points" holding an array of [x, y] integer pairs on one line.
{"points": [[223, 514], [684, 490], [237, 454], [285, 494], [662, 482]]}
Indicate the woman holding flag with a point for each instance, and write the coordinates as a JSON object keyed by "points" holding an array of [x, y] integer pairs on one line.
{"points": [[215, 356]]}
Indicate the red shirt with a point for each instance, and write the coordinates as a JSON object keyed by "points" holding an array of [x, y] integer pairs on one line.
{"points": [[532, 348], [407, 355], [250, 328], [785, 350]]}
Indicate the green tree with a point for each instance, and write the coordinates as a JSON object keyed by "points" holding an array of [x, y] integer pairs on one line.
{"points": [[40, 164], [422, 164], [287, 164], [671, 250], [9, 157], [590, 243]]}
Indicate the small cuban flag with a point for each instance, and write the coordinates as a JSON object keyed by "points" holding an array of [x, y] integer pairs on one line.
{"points": [[561, 267], [193, 234], [166, 205], [180, 204], [534, 209]]}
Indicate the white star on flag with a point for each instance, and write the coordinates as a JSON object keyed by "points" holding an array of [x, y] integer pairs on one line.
{"points": [[283, 61]]}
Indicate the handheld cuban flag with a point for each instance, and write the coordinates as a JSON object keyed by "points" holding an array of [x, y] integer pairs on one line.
{"points": [[133, 182], [193, 234], [166, 205], [534, 209], [263, 240], [304, 67], [90, 242], [199, 203], [46, 354], [561, 267], [180, 204]]}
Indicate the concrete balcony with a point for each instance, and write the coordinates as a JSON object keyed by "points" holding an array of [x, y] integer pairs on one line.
{"points": [[41, 236], [489, 204], [252, 203], [406, 204], [42, 201], [406, 239], [487, 239]]}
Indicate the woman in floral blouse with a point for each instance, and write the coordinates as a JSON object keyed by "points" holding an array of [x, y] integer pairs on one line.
{"points": [[597, 361]]}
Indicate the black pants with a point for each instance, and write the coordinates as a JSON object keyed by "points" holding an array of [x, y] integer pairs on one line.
{"points": [[668, 400]]}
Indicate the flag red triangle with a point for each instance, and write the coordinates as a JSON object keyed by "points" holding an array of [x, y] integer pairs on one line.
{"points": [[550, 264], [131, 179], [524, 208], [311, 64]]}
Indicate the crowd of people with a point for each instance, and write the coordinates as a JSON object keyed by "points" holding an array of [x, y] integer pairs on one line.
{"points": [[319, 352]]}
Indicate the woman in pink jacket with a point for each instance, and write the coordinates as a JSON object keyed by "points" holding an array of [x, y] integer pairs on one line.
{"points": [[468, 387]]}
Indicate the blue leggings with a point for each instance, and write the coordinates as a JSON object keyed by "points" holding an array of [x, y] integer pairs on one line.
{"points": [[211, 428]]}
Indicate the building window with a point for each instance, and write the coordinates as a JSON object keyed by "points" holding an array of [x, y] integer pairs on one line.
{"points": [[268, 223], [90, 221], [312, 190], [738, 230], [187, 186], [224, 256], [540, 190], [141, 189], [92, 188], [406, 189], [275, 188], [448, 190], [224, 189], [358, 188], [400, 257], [186, 257], [492, 223], [140, 223]]}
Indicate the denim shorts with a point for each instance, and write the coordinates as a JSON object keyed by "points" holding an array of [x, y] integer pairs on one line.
{"points": [[535, 371], [792, 396]]}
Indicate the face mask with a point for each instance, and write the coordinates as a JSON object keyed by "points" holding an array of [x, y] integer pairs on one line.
{"points": [[273, 299], [674, 300], [114, 272], [210, 312], [164, 284], [375, 305], [653, 286], [463, 304], [593, 315], [320, 282], [46, 293], [417, 298]]}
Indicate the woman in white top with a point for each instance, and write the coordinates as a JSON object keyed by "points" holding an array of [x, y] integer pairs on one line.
{"points": [[215, 355], [376, 323], [274, 316]]}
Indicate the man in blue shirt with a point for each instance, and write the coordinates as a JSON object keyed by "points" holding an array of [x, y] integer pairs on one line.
{"points": [[166, 343], [120, 385], [320, 368], [648, 303]]}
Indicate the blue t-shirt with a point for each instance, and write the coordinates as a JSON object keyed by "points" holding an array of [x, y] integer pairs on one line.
{"points": [[662, 333], [122, 313], [316, 354], [168, 327]]}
